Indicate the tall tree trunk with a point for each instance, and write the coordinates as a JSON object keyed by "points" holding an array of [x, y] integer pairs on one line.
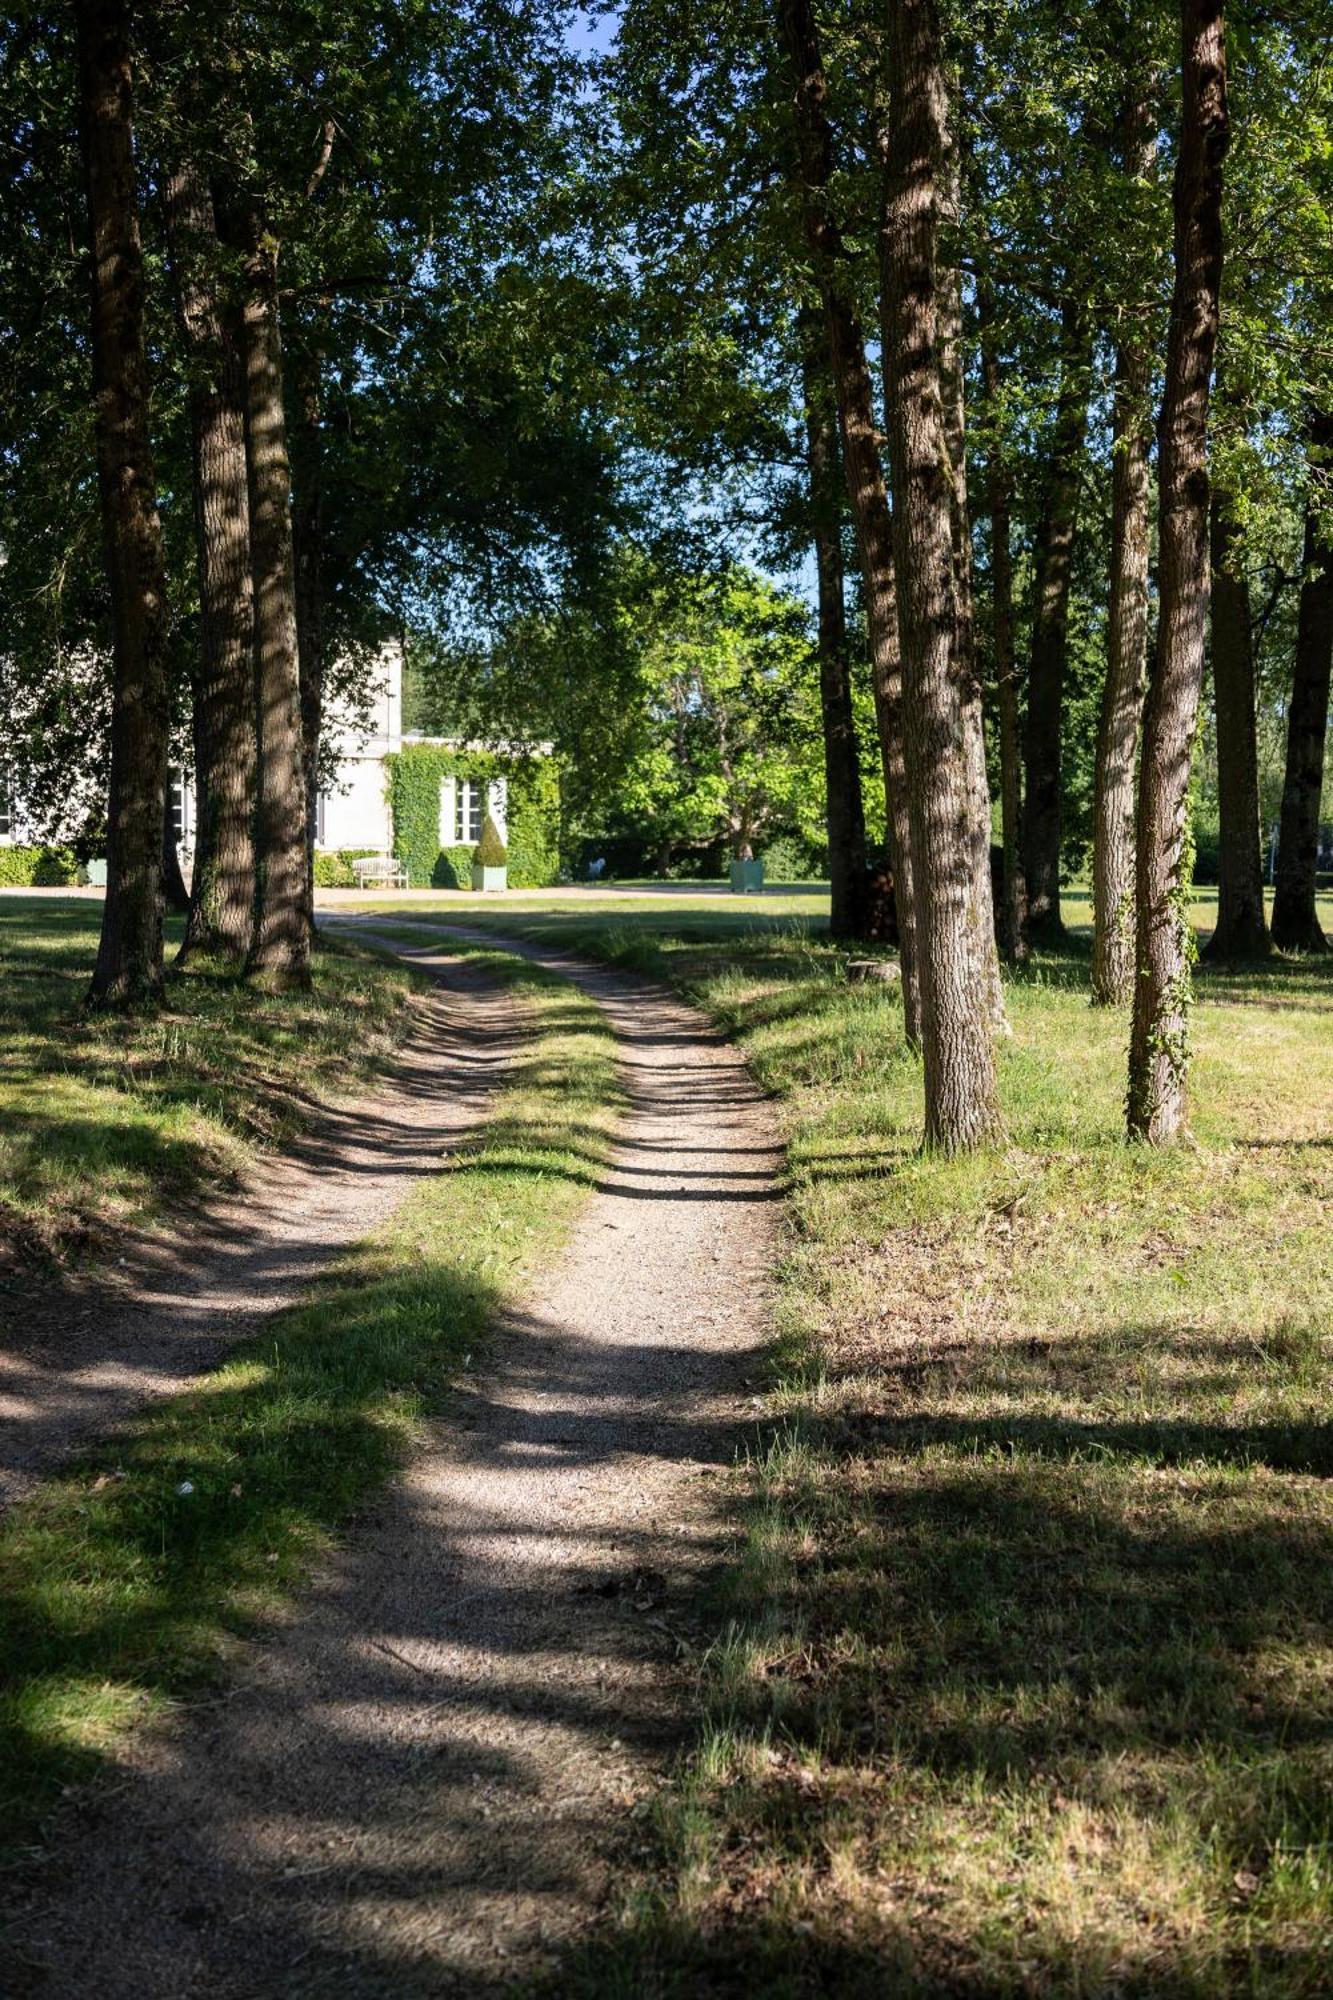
{"points": [[862, 468], [1011, 927], [1159, 1042], [128, 971], [280, 950], [959, 1058], [1053, 574], [848, 880], [308, 554], [1122, 691], [1127, 617], [952, 363], [1242, 931], [222, 893], [1296, 925]]}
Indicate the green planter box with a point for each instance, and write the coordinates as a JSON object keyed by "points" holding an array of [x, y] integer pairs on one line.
{"points": [[488, 878], [746, 877]]}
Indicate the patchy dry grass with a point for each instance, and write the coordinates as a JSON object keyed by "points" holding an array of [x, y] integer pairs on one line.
{"points": [[1023, 1676], [105, 1122]]}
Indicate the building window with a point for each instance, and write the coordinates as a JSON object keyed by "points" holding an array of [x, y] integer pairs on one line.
{"points": [[469, 807], [176, 801]]}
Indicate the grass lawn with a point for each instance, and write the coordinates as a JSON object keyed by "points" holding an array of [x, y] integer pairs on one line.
{"points": [[106, 1122], [126, 1583], [1023, 1673]]}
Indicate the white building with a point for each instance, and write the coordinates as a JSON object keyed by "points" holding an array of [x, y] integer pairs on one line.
{"points": [[353, 806]]}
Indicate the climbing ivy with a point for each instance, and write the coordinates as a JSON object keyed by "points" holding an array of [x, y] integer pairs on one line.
{"points": [[415, 775]]}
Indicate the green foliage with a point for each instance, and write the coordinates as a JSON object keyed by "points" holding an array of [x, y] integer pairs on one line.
{"points": [[490, 851], [333, 870], [415, 776], [38, 867]]}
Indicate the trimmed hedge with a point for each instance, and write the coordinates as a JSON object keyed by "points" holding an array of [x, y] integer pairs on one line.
{"points": [[415, 775], [38, 868]]}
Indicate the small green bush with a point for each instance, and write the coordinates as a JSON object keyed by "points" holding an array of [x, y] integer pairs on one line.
{"points": [[334, 870], [38, 867], [490, 851]]}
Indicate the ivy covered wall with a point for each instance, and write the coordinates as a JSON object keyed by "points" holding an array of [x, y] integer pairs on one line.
{"points": [[415, 775]]}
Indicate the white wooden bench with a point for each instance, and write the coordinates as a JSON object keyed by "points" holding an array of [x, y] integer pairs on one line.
{"points": [[379, 871]]}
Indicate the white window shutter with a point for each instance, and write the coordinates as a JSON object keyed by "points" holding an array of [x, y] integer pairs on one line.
{"points": [[448, 808], [497, 805]]}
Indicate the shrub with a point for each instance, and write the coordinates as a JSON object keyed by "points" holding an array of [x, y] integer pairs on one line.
{"points": [[334, 870], [490, 851], [38, 867]]}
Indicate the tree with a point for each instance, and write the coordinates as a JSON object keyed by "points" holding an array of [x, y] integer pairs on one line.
{"points": [[862, 467], [1127, 623], [848, 881], [1053, 572], [1159, 1044], [222, 889], [128, 971], [958, 1055], [730, 724], [280, 950], [1296, 925], [1242, 929]]}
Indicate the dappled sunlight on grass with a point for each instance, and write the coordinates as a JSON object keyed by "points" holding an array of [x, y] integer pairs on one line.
{"points": [[106, 1122], [1024, 1676], [127, 1582]]}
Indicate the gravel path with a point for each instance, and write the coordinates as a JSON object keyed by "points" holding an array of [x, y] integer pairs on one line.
{"points": [[80, 1355], [411, 1789]]}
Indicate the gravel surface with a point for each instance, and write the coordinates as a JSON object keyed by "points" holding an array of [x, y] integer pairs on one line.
{"points": [[81, 1353], [418, 1786]]}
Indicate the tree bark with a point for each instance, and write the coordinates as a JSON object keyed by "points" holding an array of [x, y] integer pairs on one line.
{"points": [[1056, 536], [1127, 618], [280, 949], [1122, 691], [862, 467], [848, 879], [1159, 1042], [1011, 926], [959, 1059], [954, 411], [1296, 925], [308, 556], [1242, 930], [128, 970], [222, 893]]}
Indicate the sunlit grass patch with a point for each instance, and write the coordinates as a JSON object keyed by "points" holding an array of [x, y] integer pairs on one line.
{"points": [[1023, 1672], [128, 1582], [107, 1123]]}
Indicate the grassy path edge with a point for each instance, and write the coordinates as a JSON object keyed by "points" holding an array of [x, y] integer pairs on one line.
{"points": [[130, 1581]]}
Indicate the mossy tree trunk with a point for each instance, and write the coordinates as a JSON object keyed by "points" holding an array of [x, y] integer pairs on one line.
{"points": [[957, 1047], [1159, 1043], [1127, 613]]}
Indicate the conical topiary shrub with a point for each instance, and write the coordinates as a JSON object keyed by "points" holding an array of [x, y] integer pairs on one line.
{"points": [[490, 858]]}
